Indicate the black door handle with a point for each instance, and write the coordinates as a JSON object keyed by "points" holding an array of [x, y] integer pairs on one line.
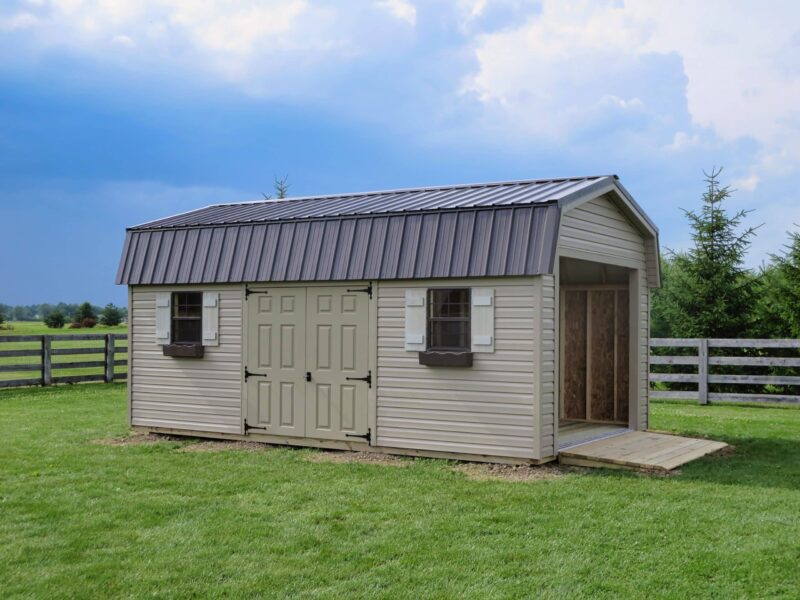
{"points": [[308, 375]]}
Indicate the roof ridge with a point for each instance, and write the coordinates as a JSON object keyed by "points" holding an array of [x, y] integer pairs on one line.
{"points": [[414, 189]]}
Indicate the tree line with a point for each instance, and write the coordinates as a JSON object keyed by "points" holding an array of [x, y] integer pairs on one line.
{"points": [[707, 291], [83, 314]]}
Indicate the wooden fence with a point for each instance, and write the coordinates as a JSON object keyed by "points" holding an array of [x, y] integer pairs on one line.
{"points": [[706, 355], [45, 347]]}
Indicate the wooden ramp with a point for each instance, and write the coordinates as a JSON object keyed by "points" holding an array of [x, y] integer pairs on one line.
{"points": [[639, 450]]}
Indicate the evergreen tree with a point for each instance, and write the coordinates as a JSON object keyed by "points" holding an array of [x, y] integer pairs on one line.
{"points": [[709, 293], [281, 187], [778, 305], [111, 316], [85, 311]]}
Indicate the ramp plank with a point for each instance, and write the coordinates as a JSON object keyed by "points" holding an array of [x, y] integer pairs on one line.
{"points": [[640, 450]]}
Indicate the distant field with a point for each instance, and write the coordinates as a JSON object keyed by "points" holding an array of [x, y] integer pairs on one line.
{"points": [[39, 328]]}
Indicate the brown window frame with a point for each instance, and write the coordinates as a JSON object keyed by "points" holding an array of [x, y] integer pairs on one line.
{"points": [[176, 318], [467, 320]]}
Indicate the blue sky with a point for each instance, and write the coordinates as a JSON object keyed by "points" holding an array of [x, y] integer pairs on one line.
{"points": [[116, 112]]}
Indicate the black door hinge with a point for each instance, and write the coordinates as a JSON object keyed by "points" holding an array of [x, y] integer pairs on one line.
{"points": [[366, 290], [248, 290], [248, 374], [368, 378], [366, 436], [248, 427]]}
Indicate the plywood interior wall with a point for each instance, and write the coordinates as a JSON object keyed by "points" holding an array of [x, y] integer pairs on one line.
{"points": [[595, 340]]}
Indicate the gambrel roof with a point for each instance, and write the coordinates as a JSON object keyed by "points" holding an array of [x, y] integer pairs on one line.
{"points": [[474, 230]]}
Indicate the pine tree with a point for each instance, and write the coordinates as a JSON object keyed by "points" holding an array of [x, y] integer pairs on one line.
{"points": [[778, 306], [111, 316], [85, 311], [281, 187], [709, 291]]}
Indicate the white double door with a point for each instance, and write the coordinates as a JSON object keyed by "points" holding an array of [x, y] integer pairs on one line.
{"points": [[307, 350]]}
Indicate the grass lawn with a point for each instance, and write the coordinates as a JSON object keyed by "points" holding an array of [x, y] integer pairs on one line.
{"points": [[39, 328], [81, 519]]}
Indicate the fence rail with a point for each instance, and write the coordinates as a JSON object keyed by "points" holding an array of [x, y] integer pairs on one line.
{"points": [[47, 348], [702, 359]]}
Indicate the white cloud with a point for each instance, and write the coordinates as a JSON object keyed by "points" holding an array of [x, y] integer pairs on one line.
{"points": [[748, 184], [401, 9], [682, 140], [123, 40], [237, 40], [22, 20], [741, 62]]}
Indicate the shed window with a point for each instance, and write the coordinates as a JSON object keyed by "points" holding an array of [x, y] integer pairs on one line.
{"points": [[449, 319], [187, 317]]}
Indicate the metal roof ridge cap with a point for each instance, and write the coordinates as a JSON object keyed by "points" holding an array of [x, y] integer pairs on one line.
{"points": [[401, 213], [185, 212], [405, 190]]}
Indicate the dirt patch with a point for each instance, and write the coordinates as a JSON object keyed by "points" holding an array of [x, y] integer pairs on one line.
{"points": [[725, 452], [373, 458], [496, 472], [136, 439], [222, 445]]}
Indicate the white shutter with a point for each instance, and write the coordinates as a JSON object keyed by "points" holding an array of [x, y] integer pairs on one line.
{"points": [[482, 324], [210, 318], [163, 320], [415, 319]]}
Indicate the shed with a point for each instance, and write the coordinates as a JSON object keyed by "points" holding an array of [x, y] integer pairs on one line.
{"points": [[494, 321]]}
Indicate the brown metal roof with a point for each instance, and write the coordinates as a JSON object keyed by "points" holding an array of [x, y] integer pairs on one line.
{"points": [[476, 230], [473, 243], [479, 195]]}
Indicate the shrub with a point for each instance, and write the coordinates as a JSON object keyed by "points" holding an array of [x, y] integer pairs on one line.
{"points": [[88, 322], [111, 316], [2, 318], [75, 325], [55, 320]]}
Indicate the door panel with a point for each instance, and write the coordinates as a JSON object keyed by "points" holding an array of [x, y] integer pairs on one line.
{"points": [[337, 348], [276, 355], [323, 331]]}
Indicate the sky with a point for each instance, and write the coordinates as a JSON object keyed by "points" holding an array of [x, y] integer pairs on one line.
{"points": [[117, 112]]}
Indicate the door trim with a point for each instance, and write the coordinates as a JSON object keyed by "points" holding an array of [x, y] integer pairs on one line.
{"points": [[372, 335]]}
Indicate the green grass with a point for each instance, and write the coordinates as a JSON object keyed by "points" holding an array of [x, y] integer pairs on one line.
{"points": [[39, 328], [78, 519]]}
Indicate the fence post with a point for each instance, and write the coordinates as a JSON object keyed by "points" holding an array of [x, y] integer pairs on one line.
{"points": [[109, 357], [702, 371], [47, 367]]}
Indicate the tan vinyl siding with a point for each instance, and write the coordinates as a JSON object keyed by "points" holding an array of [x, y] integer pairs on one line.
{"points": [[599, 230], [486, 409], [651, 258], [185, 393], [644, 355], [547, 334]]}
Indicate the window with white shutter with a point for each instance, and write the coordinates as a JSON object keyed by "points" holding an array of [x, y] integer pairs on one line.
{"points": [[482, 324], [163, 318], [415, 313], [210, 318]]}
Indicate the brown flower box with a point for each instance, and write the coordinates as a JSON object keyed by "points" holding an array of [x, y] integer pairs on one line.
{"points": [[184, 350], [445, 358]]}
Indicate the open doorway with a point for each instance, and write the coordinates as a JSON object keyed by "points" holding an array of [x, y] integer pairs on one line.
{"points": [[595, 351]]}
